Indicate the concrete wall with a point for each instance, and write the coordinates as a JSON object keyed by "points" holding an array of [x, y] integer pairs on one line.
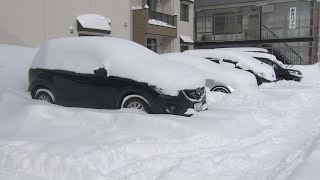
{"points": [[30, 22]]}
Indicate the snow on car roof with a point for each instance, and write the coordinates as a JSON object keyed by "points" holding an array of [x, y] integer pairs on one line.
{"points": [[122, 58], [244, 61], [245, 49], [265, 55], [230, 76]]}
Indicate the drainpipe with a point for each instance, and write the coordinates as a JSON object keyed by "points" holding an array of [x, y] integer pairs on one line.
{"points": [[44, 19], [260, 19]]}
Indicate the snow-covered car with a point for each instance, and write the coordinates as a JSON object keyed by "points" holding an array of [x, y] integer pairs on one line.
{"points": [[111, 73], [282, 72], [240, 60], [218, 78]]}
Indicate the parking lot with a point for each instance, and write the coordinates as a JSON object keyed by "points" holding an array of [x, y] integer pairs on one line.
{"points": [[265, 133]]}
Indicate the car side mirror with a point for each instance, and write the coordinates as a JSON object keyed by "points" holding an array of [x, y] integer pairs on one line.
{"points": [[101, 72]]}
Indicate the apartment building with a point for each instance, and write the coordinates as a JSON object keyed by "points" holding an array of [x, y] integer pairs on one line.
{"points": [[162, 25], [288, 28]]}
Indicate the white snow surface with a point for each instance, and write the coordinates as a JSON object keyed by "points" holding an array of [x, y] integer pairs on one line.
{"points": [[236, 78], [160, 23], [94, 21], [121, 58], [243, 60], [263, 135]]}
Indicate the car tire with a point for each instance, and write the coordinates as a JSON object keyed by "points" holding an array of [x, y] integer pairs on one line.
{"points": [[136, 102], [220, 89], [44, 96]]}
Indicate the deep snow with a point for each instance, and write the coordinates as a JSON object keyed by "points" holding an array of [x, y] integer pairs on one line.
{"points": [[263, 135]]}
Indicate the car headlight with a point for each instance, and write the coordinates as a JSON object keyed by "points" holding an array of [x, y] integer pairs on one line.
{"points": [[262, 75], [293, 72]]}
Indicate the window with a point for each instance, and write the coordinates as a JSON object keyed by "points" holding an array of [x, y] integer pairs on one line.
{"points": [[227, 24], [184, 48], [152, 5], [184, 12], [152, 44]]}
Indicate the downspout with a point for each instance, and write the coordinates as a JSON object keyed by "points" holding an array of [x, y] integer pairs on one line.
{"points": [[260, 22]]}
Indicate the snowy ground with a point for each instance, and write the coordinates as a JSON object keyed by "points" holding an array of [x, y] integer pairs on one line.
{"points": [[260, 135]]}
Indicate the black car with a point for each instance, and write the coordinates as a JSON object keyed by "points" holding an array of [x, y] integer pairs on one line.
{"points": [[260, 80], [103, 89], [282, 73]]}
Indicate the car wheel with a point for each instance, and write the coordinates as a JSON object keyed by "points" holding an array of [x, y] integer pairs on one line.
{"points": [[44, 96], [220, 89], [136, 102]]}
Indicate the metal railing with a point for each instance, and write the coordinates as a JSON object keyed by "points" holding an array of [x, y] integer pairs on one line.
{"points": [[289, 55], [169, 19]]}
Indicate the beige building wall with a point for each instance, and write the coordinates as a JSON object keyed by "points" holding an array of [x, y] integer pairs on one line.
{"points": [[21, 22], [184, 28], [30, 22]]}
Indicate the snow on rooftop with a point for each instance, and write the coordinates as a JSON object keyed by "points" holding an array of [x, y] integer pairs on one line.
{"points": [[94, 21], [136, 7], [160, 23], [186, 39], [245, 49]]}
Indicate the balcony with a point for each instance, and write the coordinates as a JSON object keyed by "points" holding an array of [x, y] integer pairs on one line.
{"points": [[153, 23], [166, 18]]}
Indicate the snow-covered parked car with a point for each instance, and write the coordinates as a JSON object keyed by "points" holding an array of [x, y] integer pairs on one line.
{"points": [[282, 72], [218, 78], [240, 60], [111, 73]]}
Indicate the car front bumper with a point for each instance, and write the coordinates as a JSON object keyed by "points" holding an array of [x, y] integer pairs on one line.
{"points": [[179, 105]]}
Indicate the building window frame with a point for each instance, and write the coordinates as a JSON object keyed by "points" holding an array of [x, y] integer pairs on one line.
{"points": [[152, 5], [184, 47], [152, 44], [184, 12]]}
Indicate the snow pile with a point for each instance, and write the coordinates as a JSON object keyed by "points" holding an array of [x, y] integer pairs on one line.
{"points": [[94, 21], [233, 77], [311, 73], [160, 23], [120, 58], [14, 66], [265, 134], [243, 61]]}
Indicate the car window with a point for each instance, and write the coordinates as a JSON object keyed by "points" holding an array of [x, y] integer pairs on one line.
{"points": [[229, 61]]}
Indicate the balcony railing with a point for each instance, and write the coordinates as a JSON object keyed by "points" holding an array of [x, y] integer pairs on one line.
{"points": [[169, 19]]}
